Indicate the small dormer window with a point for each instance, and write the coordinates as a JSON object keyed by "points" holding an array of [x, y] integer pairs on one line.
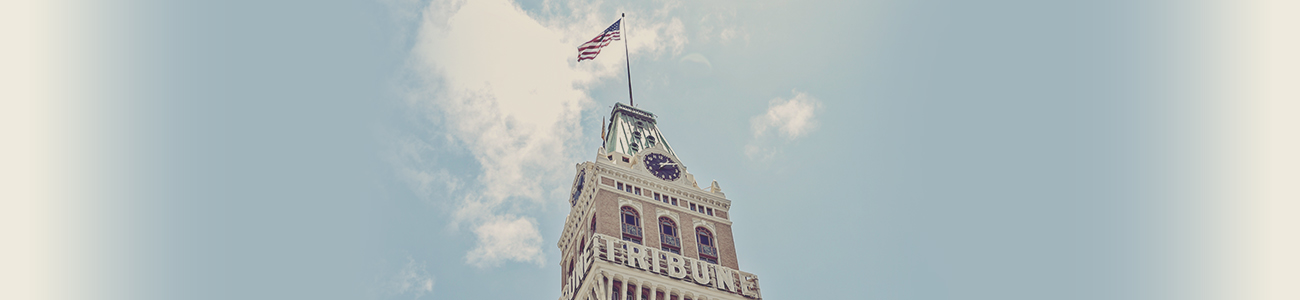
{"points": [[633, 147], [650, 141]]}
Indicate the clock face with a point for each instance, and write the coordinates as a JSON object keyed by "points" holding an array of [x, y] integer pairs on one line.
{"points": [[663, 167], [577, 188]]}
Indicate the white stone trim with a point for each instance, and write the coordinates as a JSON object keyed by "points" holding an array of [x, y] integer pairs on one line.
{"points": [[629, 202], [670, 287], [698, 222], [645, 181], [659, 212]]}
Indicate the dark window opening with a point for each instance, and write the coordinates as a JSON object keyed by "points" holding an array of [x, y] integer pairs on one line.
{"points": [[668, 236], [704, 238], [631, 225]]}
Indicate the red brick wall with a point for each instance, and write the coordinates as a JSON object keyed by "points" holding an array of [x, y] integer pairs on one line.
{"points": [[614, 215], [649, 224], [609, 218], [687, 224], [605, 209], [726, 246]]}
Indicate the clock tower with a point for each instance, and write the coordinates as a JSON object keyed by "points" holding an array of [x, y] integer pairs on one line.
{"points": [[640, 227]]}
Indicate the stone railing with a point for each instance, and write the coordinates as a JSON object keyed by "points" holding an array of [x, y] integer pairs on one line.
{"points": [[672, 241], [638, 258], [632, 229], [708, 250]]}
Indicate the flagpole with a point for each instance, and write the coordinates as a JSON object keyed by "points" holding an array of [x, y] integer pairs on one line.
{"points": [[628, 58]]}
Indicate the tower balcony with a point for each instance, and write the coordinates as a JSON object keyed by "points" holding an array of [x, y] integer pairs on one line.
{"points": [[708, 250], [672, 241], [633, 230]]}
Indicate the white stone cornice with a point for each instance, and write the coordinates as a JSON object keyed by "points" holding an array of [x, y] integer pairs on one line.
{"points": [[645, 181]]}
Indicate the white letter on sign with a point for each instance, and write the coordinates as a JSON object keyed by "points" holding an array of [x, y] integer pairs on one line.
{"points": [[635, 256], [749, 285], [676, 266], [726, 279], [652, 258], [700, 272]]}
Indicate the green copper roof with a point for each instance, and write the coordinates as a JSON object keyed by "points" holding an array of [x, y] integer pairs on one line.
{"points": [[632, 130]]}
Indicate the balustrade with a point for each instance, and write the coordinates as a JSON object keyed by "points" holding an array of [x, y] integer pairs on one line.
{"points": [[672, 241], [708, 250], [630, 229]]}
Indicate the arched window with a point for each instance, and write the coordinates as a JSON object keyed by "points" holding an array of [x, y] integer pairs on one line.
{"points": [[668, 236], [705, 242], [631, 225]]}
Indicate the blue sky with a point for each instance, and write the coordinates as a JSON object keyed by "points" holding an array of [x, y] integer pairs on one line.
{"points": [[406, 149]]}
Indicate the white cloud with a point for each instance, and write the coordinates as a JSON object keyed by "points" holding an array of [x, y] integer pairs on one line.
{"points": [[412, 279], [787, 119], [792, 118], [506, 88], [506, 238]]}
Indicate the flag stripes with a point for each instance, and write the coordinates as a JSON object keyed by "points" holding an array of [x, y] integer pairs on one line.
{"points": [[590, 49]]}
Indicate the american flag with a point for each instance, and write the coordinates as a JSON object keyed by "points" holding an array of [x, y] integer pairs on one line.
{"points": [[591, 48]]}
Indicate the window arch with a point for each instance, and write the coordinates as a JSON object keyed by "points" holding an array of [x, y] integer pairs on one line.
{"points": [[704, 239], [631, 225], [668, 236]]}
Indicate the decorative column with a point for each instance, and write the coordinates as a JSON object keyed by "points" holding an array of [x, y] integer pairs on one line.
{"points": [[623, 293], [609, 287], [640, 284]]}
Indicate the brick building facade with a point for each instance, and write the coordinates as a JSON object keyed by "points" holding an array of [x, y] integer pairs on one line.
{"points": [[640, 227]]}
